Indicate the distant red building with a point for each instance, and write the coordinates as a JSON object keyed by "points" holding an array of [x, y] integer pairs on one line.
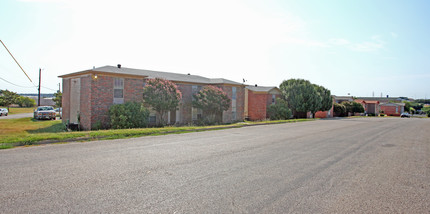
{"points": [[392, 109], [370, 106]]}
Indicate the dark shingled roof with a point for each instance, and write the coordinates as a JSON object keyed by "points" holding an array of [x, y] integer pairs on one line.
{"points": [[164, 75], [260, 88]]}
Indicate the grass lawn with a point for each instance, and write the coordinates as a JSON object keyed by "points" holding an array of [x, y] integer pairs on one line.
{"points": [[18, 110], [27, 131]]}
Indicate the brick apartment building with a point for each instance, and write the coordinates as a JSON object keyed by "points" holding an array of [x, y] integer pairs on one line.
{"points": [[257, 101], [370, 106], [392, 109], [88, 94]]}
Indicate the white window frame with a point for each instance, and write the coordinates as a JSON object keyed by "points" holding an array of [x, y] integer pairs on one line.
{"points": [[118, 84]]}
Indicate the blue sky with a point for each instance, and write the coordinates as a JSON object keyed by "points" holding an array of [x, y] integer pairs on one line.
{"points": [[362, 48]]}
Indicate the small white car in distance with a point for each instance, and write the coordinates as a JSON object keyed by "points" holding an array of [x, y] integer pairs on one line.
{"points": [[3, 112]]}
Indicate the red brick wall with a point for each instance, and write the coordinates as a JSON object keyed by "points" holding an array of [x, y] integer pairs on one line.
{"points": [[186, 103], [102, 99], [240, 103], [133, 90], [227, 116], [85, 106], [321, 114], [257, 105], [391, 110]]}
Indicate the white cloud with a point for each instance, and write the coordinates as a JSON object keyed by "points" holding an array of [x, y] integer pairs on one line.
{"points": [[375, 44], [339, 42], [394, 35]]}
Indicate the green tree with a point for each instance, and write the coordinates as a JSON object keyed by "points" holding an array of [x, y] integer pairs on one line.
{"points": [[128, 115], [357, 107], [162, 96], [339, 109], [8, 97], [25, 102], [349, 108], [408, 106], [213, 101], [58, 98], [279, 110], [353, 107], [326, 99], [426, 110], [301, 96]]}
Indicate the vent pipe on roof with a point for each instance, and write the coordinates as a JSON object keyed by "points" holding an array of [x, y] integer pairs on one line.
{"points": [[119, 65], [188, 73], [255, 85]]}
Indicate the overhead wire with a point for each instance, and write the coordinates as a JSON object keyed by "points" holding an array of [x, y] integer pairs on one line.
{"points": [[18, 85], [49, 88]]}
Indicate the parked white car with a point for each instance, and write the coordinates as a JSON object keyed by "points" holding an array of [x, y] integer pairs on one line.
{"points": [[44, 112], [4, 112]]}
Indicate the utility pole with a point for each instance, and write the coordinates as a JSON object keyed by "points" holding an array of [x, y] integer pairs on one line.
{"points": [[38, 97]]}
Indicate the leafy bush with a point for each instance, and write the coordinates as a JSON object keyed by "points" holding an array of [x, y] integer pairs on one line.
{"points": [[357, 107], [213, 101], [353, 107], [128, 115], [162, 96], [97, 126], [426, 110], [279, 110], [25, 102], [339, 110]]}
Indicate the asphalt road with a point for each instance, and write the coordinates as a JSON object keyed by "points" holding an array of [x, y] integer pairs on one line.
{"points": [[363, 165]]}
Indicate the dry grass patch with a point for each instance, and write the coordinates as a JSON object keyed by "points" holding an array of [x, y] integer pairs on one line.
{"points": [[18, 110], [27, 131]]}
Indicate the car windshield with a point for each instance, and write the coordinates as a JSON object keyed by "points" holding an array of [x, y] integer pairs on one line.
{"points": [[45, 108]]}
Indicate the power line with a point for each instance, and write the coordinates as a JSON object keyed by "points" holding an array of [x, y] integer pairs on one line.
{"points": [[15, 60], [48, 88], [18, 85]]}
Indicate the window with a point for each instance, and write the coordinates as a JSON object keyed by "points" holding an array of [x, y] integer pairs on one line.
{"points": [[233, 103], [196, 113], [273, 98], [194, 90], [233, 93], [118, 91], [152, 119]]}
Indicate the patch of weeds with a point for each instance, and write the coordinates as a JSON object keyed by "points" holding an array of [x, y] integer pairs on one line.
{"points": [[55, 128], [6, 146]]}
